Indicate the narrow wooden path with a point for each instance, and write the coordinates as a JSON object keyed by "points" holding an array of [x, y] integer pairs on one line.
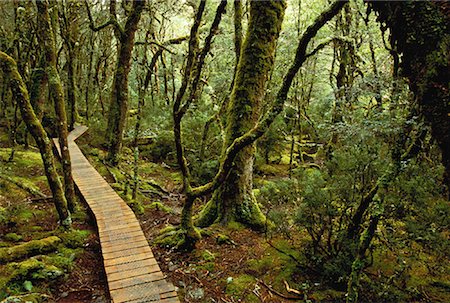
{"points": [[131, 269]]}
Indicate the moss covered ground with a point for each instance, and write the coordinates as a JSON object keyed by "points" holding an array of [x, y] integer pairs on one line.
{"points": [[37, 258]]}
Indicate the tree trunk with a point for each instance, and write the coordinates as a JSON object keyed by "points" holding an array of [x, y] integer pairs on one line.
{"points": [[9, 67], [119, 101], [71, 88], [38, 91], [56, 91], [234, 200]]}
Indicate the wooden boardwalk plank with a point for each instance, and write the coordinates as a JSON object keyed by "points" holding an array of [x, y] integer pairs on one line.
{"points": [[132, 271]]}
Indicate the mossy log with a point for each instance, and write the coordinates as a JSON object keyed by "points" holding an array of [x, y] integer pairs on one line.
{"points": [[28, 249], [28, 188]]}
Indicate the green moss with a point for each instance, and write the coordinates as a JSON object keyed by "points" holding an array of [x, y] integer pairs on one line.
{"points": [[179, 239], [117, 174], [223, 239], [73, 238], [209, 266], [3, 215], [233, 225], [135, 205], [13, 237], [30, 248], [207, 255], [22, 158], [63, 259], [208, 214], [241, 287], [279, 266], [270, 170], [159, 206]]}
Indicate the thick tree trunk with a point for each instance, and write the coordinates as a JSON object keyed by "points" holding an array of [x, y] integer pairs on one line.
{"points": [[9, 67], [119, 101], [421, 32], [234, 200], [56, 91]]}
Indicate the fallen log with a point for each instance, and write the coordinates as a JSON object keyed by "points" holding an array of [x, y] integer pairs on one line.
{"points": [[29, 249]]}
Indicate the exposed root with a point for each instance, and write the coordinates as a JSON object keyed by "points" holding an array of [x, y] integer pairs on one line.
{"points": [[178, 238]]}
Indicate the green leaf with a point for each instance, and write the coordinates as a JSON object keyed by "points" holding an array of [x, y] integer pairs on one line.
{"points": [[28, 285]]}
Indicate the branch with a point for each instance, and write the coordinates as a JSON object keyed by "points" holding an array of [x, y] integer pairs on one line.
{"points": [[193, 44], [259, 129], [165, 43], [112, 21], [325, 43], [201, 61], [276, 292]]}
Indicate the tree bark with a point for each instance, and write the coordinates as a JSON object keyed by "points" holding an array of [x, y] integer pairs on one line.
{"points": [[234, 200], [119, 100], [56, 90], [38, 91], [9, 67]]}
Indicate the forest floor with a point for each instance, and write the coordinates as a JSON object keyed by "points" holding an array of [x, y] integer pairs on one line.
{"points": [[231, 264], [77, 260]]}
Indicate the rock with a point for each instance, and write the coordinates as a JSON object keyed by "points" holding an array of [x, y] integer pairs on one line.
{"points": [[172, 267], [196, 293]]}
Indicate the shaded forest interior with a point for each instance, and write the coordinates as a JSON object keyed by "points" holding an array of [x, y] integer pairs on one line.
{"points": [[272, 151]]}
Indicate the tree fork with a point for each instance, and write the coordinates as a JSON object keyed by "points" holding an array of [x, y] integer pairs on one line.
{"points": [[210, 214]]}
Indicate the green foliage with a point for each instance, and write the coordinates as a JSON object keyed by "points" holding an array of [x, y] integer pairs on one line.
{"points": [[203, 172], [161, 149], [271, 145]]}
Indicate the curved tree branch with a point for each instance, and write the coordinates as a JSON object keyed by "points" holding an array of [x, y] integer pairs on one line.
{"points": [[261, 127]]}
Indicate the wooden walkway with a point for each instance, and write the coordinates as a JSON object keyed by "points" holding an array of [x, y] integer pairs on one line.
{"points": [[131, 269]]}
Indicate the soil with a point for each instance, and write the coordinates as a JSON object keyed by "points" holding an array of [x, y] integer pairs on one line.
{"points": [[86, 283], [189, 271]]}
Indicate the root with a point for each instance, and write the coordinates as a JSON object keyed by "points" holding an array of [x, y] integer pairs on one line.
{"points": [[178, 238]]}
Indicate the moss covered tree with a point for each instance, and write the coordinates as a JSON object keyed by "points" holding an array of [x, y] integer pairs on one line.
{"points": [[234, 200], [46, 37], [68, 15], [421, 32], [119, 99], [20, 93]]}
